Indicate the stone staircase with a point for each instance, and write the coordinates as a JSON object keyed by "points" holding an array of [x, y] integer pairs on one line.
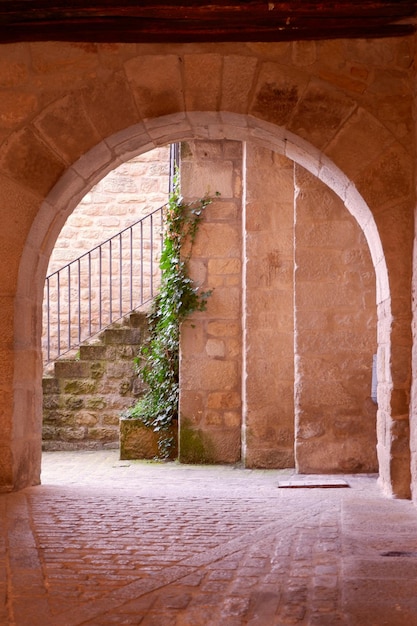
{"points": [[84, 394]]}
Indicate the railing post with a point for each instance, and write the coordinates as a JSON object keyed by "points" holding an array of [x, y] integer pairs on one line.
{"points": [[120, 275], [131, 267], [48, 318], [79, 300], [69, 305], [100, 289], [89, 293], [58, 313]]}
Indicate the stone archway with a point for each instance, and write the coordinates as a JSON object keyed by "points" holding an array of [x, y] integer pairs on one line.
{"points": [[343, 109], [97, 162]]}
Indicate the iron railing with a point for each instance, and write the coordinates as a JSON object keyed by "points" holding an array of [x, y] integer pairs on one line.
{"points": [[102, 286]]}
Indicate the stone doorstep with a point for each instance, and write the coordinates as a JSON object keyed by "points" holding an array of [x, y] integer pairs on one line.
{"points": [[311, 483]]}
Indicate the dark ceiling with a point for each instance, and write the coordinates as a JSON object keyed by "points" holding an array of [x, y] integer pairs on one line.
{"points": [[196, 21]]}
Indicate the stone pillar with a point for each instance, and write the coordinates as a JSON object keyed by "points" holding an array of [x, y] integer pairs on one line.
{"points": [[21, 367], [268, 314], [413, 403], [211, 355], [10, 443], [335, 321]]}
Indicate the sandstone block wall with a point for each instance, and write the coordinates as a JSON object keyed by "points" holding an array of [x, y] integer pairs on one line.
{"points": [[124, 196], [269, 309], [335, 335], [211, 343], [83, 398], [71, 112], [302, 308]]}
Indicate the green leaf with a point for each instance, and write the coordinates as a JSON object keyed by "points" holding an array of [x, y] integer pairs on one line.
{"points": [[158, 362]]}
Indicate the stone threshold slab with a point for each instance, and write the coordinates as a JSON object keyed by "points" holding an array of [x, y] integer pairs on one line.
{"points": [[310, 483]]}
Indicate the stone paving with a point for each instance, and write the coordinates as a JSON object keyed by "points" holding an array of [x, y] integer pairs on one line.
{"points": [[104, 542]]}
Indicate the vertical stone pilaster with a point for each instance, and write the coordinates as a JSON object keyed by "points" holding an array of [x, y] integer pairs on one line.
{"points": [[269, 327], [413, 392], [335, 318], [211, 353]]}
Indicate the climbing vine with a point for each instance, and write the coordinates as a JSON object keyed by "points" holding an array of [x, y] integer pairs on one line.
{"points": [[178, 297]]}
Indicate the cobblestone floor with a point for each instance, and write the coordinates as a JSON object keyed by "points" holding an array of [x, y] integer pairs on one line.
{"points": [[104, 542]]}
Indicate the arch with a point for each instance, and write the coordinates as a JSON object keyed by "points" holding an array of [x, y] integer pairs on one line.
{"points": [[139, 138], [97, 162]]}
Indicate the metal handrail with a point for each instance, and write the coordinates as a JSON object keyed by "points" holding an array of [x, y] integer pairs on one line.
{"points": [[102, 285]]}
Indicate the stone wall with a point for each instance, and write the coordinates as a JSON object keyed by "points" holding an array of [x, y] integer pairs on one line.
{"points": [[127, 194], [269, 309], [281, 361], [71, 112], [335, 335], [84, 398], [211, 343]]}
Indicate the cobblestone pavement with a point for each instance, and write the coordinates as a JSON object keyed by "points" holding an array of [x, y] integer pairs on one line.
{"points": [[104, 541]]}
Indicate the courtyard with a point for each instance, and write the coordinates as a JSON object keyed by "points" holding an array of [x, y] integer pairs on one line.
{"points": [[104, 541]]}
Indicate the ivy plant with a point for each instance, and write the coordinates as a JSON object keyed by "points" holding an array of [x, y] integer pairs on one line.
{"points": [[178, 297]]}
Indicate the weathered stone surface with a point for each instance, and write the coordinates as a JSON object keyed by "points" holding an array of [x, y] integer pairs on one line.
{"points": [[325, 454], [66, 126], [223, 400], [72, 369], [277, 94], [92, 352], [139, 442], [65, 64], [225, 301], [28, 160], [269, 384], [16, 108], [335, 341], [320, 113], [210, 374], [269, 459], [202, 81], [350, 141], [156, 82], [219, 179], [74, 403], [110, 105], [388, 178], [84, 413], [123, 335], [233, 90], [79, 386], [13, 71], [210, 368]]}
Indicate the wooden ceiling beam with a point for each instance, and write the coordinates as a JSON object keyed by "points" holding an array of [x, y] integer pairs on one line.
{"points": [[193, 20]]}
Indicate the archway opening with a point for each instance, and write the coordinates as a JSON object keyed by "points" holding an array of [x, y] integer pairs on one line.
{"points": [[101, 278], [74, 185]]}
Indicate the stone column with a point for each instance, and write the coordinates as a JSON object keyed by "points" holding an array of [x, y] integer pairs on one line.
{"points": [[268, 314], [211, 354], [335, 322]]}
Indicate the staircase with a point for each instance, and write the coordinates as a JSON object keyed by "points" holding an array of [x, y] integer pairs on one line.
{"points": [[85, 393]]}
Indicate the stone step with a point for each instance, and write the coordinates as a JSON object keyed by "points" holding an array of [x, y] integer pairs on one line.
{"points": [[92, 352], [125, 336], [138, 320], [86, 392], [72, 369]]}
